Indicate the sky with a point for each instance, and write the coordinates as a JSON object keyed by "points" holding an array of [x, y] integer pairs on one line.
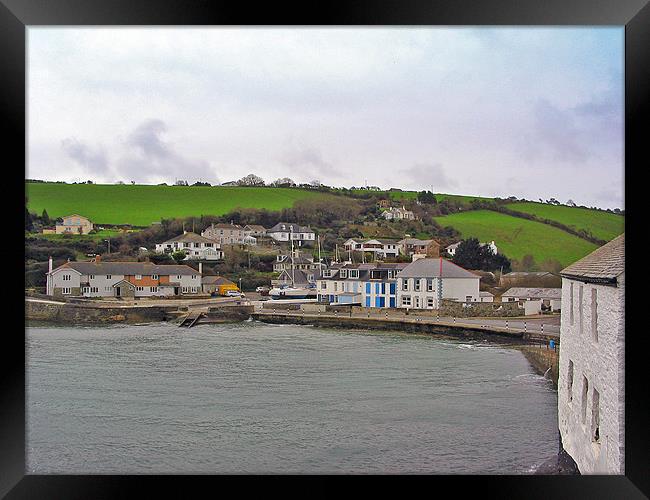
{"points": [[520, 111]]}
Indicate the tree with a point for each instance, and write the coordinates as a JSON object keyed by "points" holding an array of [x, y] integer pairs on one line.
{"points": [[251, 180], [283, 182], [179, 256], [472, 255], [45, 218], [528, 263], [426, 197]]}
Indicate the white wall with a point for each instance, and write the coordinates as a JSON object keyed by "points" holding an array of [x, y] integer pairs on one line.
{"points": [[602, 362], [452, 288]]}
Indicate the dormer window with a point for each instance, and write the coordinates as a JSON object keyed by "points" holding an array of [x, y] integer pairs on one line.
{"points": [[327, 273], [354, 273], [344, 273]]}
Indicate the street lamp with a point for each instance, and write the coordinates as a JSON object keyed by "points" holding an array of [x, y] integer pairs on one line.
{"points": [[240, 284], [109, 245]]}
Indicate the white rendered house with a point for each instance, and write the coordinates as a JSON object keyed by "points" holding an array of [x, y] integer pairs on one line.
{"points": [[591, 384]]}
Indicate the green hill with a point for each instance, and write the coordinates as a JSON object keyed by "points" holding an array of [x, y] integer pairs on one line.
{"points": [[603, 225], [140, 205], [516, 237]]}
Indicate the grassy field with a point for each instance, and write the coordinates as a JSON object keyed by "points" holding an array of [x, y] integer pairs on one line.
{"points": [[517, 237], [141, 205], [603, 225]]}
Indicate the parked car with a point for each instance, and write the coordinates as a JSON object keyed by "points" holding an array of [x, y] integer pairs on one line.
{"points": [[233, 293], [263, 290]]}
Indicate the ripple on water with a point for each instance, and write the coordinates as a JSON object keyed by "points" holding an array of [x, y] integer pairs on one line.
{"points": [[250, 397]]}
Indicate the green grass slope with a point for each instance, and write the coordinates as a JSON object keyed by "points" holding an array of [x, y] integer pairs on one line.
{"points": [[140, 205], [603, 225], [516, 237]]}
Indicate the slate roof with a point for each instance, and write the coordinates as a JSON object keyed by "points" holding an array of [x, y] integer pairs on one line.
{"points": [[603, 265], [416, 241], [215, 280], [129, 268], [288, 228], [189, 236], [534, 293], [430, 268]]}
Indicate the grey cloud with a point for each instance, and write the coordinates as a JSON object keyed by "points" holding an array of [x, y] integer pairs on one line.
{"points": [[310, 162], [557, 130], [94, 160], [149, 157], [424, 176]]}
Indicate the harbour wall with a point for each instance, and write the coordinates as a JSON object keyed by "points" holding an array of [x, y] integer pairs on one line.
{"points": [[83, 313]]}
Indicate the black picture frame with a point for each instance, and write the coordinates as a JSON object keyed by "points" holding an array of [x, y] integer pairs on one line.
{"points": [[17, 15]]}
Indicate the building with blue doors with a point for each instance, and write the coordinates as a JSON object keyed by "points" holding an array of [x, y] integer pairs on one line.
{"points": [[366, 285]]}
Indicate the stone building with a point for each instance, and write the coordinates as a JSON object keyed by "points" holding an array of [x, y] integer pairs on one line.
{"points": [[591, 382], [74, 224]]}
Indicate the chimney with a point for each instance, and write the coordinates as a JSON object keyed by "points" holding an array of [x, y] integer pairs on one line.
{"points": [[49, 267], [201, 268], [98, 259]]}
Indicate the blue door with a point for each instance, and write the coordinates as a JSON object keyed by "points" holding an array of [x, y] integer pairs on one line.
{"points": [[377, 301], [392, 301], [367, 301], [382, 301], [368, 288], [392, 288]]}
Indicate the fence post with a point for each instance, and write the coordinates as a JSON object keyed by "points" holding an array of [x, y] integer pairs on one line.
{"points": [[542, 327], [506, 324], [524, 327]]}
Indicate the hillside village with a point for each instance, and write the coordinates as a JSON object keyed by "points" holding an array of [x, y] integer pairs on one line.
{"points": [[374, 251]]}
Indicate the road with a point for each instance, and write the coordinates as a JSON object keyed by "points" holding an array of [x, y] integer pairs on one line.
{"points": [[547, 325]]}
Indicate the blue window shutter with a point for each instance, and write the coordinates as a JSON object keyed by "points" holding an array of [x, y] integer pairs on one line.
{"points": [[367, 287], [392, 288], [392, 301], [367, 301]]}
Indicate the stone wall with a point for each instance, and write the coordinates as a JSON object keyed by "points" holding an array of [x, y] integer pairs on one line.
{"points": [[542, 357], [482, 309], [79, 314]]}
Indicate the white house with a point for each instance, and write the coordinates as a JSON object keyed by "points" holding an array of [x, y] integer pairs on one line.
{"points": [[74, 224], [368, 285], [591, 384], [121, 279], [284, 232], [486, 297], [425, 282], [381, 248], [544, 298], [398, 214], [195, 247], [229, 234], [451, 249]]}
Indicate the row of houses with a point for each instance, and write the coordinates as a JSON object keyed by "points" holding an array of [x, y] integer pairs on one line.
{"points": [[382, 248], [130, 280], [421, 284], [234, 234]]}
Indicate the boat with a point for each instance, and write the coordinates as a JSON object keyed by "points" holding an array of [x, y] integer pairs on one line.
{"points": [[285, 292]]}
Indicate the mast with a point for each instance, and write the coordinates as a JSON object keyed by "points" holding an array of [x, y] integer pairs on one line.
{"points": [[293, 267], [319, 259]]}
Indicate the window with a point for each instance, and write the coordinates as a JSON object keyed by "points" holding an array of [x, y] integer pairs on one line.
{"points": [[569, 382], [184, 289], [571, 304], [94, 289], [580, 308], [323, 285], [344, 273], [430, 302], [429, 285], [108, 276], [92, 277], [406, 300], [108, 288], [595, 416], [594, 314], [468, 298], [178, 276], [335, 286], [138, 276], [66, 291], [391, 274], [405, 284], [153, 288], [154, 276], [327, 273], [417, 284], [66, 277], [585, 390], [354, 273], [85, 289], [139, 288]]}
